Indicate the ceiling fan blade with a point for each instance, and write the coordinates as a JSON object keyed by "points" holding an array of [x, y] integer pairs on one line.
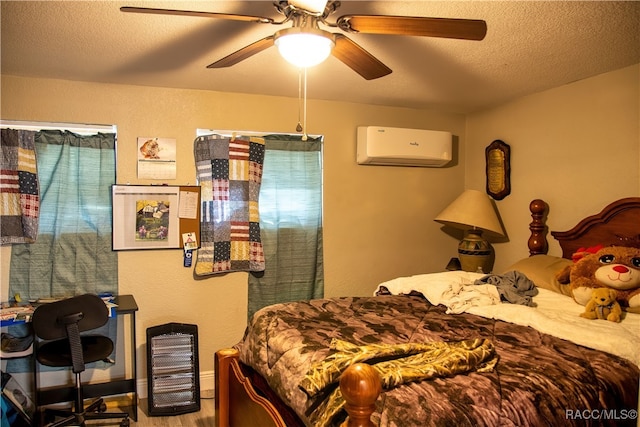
{"points": [[465, 29], [246, 18], [244, 53], [358, 59]]}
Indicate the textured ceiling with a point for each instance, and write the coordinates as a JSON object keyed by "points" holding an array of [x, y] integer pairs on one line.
{"points": [[529, 47]]}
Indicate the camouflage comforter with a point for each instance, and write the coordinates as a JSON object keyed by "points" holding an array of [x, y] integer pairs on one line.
{"points": [[539, 379]]}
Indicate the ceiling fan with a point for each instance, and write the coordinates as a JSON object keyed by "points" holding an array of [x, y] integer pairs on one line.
{"points": [[306, 17]]}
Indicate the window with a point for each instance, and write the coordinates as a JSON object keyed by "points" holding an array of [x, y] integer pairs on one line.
{"points": [[290, 223], [290, 209], [72, 253]]}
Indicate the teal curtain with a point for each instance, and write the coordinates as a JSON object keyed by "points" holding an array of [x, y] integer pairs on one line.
{"points": [[290, 207], [72, 253]]}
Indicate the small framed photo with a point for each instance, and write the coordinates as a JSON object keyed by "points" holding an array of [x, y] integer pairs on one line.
{"points": [[145, 217]]}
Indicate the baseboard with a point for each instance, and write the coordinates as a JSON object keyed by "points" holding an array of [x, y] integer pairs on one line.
{"points": [[207, 381]]}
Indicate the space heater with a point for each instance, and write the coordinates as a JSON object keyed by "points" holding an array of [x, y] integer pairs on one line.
{"points": [[172, 369]]}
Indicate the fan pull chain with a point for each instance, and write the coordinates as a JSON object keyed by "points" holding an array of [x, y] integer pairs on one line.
{"points": [[304, 120], [299, 126]]}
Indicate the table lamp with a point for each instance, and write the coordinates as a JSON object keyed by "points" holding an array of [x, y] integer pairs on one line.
{"points": [[473, 212]]}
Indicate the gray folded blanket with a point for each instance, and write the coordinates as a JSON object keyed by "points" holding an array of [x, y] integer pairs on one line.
{"points": [[513, 287]]}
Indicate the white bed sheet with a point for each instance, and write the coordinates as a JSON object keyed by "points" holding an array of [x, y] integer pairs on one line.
{"points": [[554, 314]]}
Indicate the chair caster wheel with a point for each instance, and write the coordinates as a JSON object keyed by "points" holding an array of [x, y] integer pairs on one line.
{"points": [[102, 407], [125, 423]]}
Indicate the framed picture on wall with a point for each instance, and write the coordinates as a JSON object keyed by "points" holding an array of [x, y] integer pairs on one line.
{"points": [[145, 217]]}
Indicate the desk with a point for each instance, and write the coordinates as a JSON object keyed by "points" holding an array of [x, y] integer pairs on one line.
{"points": [[126, 306]]}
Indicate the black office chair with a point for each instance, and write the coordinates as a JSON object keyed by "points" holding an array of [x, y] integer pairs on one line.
{"points": [[58, 324]]}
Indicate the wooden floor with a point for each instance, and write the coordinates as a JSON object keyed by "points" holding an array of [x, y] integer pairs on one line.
{"points": [[205, 417]]}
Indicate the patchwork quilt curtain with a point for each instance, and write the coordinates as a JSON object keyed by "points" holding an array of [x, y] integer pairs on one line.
{"points": [[229, 171], [19, 196]]}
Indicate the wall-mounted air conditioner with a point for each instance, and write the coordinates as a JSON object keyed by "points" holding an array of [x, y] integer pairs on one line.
{"points": [[403, 147]]}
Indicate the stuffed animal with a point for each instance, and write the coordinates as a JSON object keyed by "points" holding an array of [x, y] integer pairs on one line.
{"points": [[613, 267], [603, 305]]}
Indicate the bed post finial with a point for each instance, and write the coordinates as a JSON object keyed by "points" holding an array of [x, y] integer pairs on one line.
{"points": [[538, 240], [360, 385]]}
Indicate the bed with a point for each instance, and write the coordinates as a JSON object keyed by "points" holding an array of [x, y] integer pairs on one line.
{"points": [[407, 357]]}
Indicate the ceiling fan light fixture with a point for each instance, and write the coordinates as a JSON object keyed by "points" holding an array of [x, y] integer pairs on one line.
{"points": [[313, 6], [304, 47]]}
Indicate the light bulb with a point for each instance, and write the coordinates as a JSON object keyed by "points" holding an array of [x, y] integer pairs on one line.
{"points": [[304, 48]]}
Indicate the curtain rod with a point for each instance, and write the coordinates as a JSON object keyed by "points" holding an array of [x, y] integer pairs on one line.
{"points": [[231, 133], [71, 127]]}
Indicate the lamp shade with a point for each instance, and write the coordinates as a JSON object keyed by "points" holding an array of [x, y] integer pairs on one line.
{"points": [[304, 47], [471, 210]]}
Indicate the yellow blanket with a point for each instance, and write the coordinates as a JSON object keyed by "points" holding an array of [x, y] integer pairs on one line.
{"points": [[396, 364]]}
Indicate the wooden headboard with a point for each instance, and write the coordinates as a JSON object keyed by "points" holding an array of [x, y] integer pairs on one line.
{"points": [[617, 224]]}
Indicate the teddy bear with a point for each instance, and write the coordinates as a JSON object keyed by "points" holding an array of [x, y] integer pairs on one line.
{"points": [[603, 305], [613, 267]]}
